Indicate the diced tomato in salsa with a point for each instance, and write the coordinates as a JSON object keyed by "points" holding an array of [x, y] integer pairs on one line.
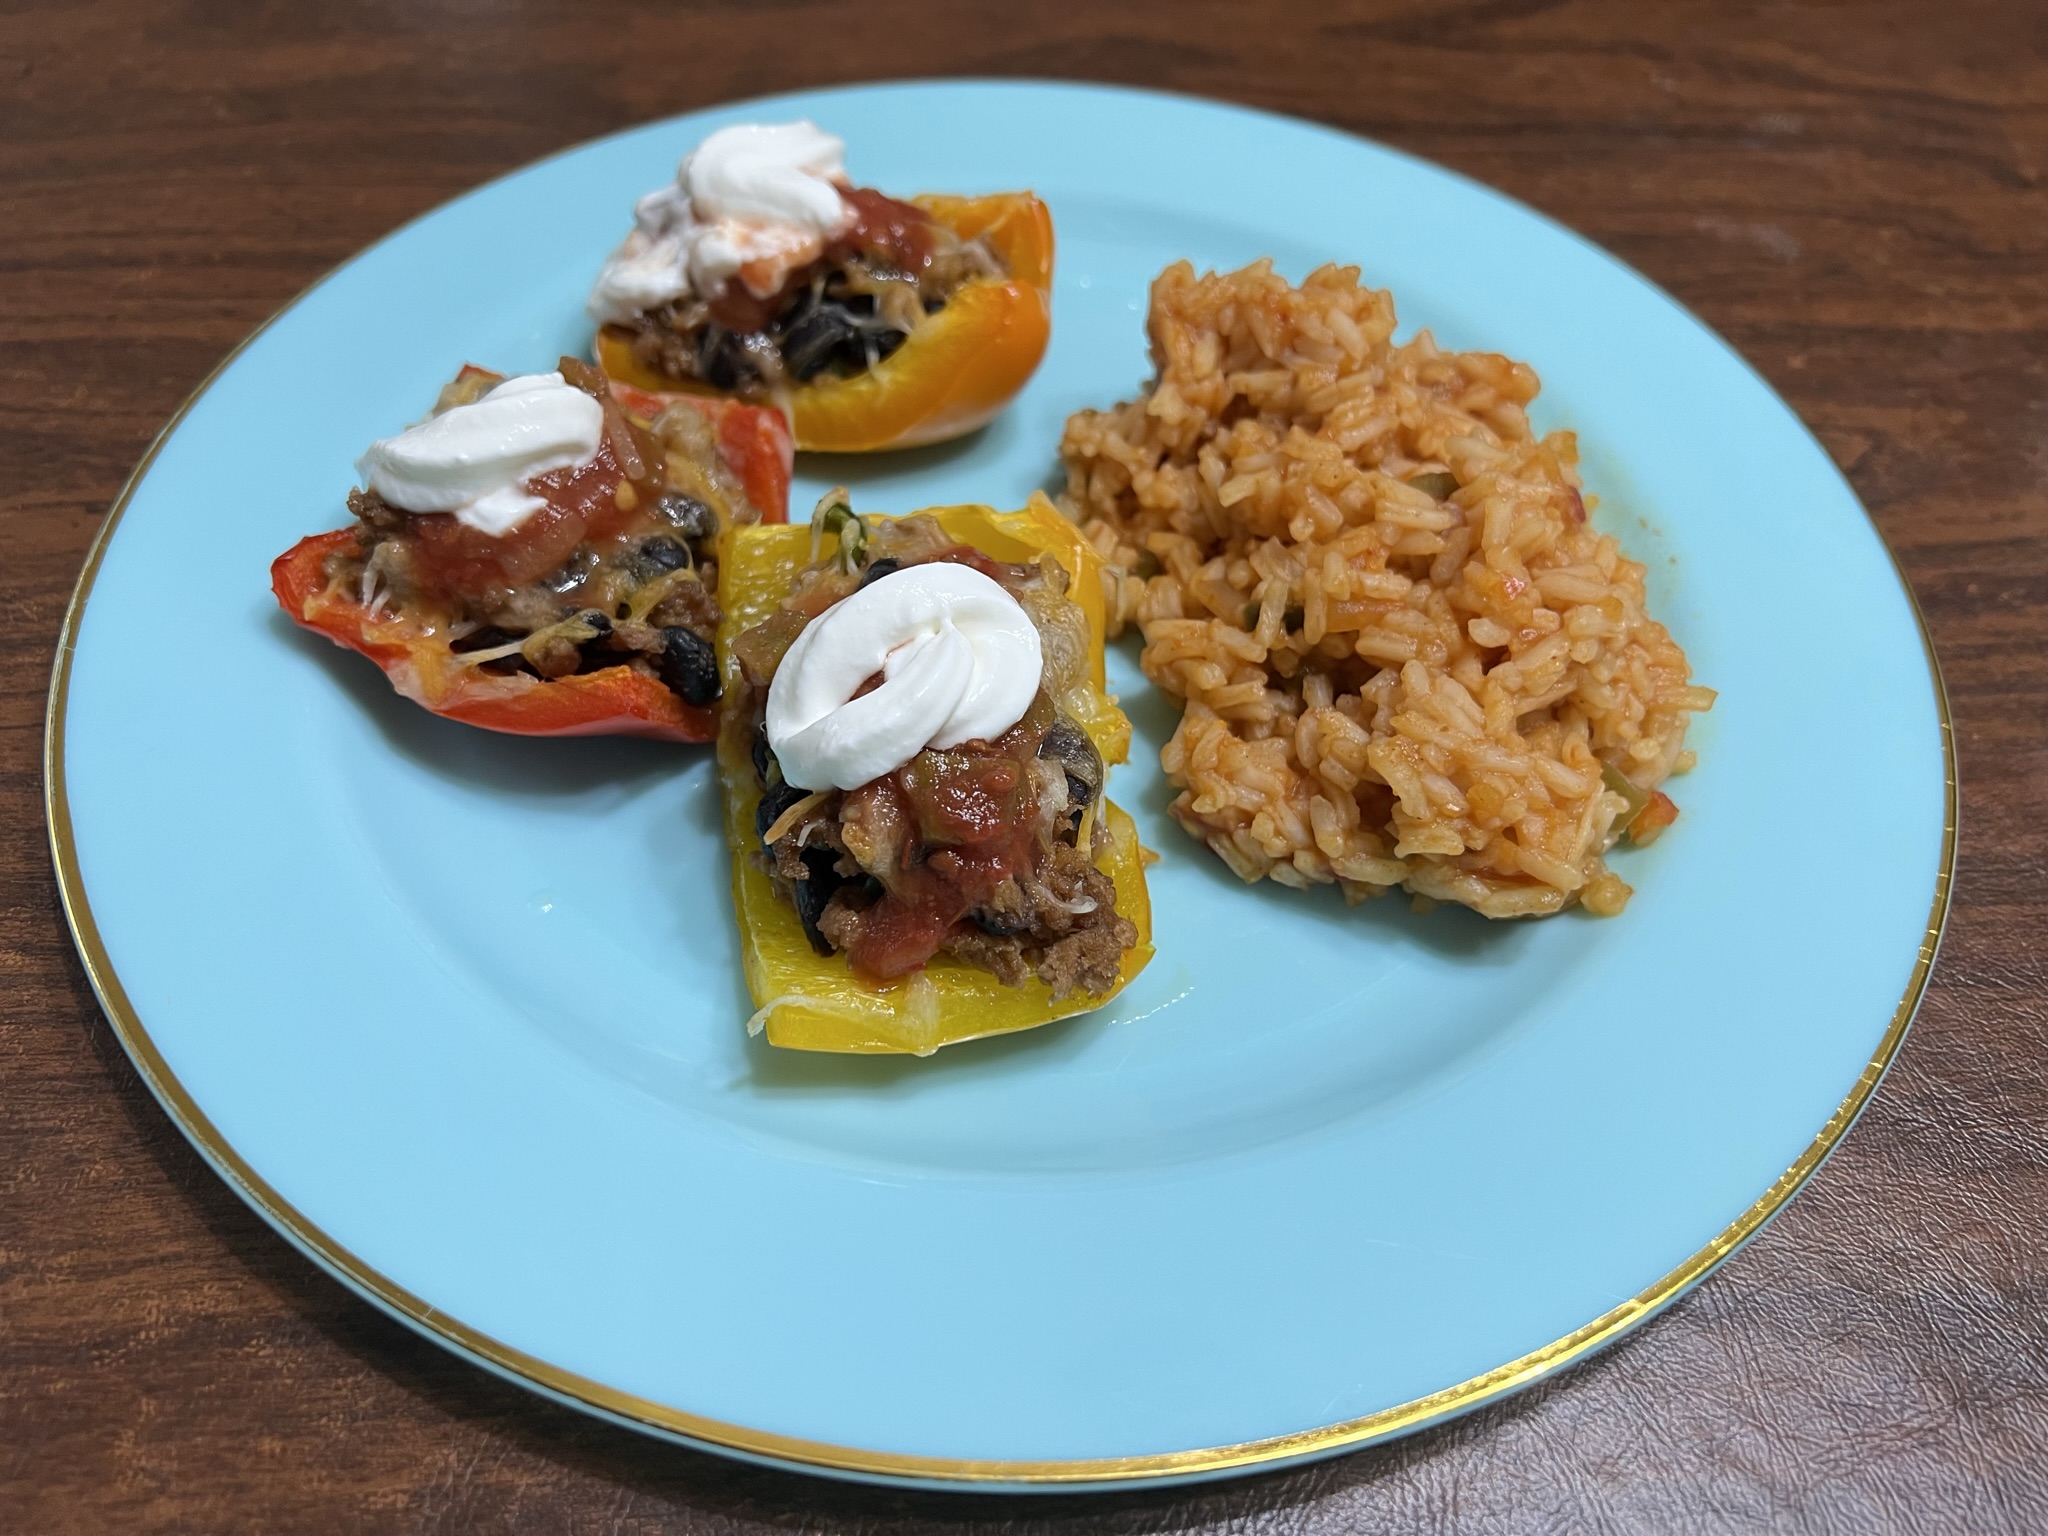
{"points": [[884, 231], [582, 504]]}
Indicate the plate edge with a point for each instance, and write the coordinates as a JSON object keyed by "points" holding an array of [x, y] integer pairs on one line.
{"points": [[887, 1466]]}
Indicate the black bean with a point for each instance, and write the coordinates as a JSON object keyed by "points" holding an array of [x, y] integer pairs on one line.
{"points": [[581, 562], [814, 891], [774, 801], [599, 622], [880, 568], [1067, 744], [1078, 796], [688, 666], [886, 343], [664, 552], [722, 360], [822, 334], [690, 517]]}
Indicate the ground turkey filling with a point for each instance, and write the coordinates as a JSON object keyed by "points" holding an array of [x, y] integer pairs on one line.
{"points": [[617, 569], [836, 316], [976, 851]]}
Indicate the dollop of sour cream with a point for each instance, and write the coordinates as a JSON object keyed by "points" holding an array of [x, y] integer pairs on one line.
{"points": [[960, 661], [472, 460], [752, 201]]}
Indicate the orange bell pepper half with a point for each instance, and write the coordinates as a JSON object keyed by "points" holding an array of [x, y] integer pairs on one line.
{"points": [[614, 701], [952, 374]]}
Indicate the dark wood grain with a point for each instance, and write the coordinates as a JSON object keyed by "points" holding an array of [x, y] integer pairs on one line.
{"points": [[1853, 194]]}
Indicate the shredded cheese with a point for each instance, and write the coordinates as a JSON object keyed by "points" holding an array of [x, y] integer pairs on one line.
{"points": [[779, 828], [758, 1019]]}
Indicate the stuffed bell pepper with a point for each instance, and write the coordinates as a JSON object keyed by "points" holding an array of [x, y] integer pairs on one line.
{"points": [[915, 744], [873, 323], [539, 558]]}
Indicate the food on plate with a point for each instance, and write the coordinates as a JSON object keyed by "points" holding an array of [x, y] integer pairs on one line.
{"points": [[914, 753], [762, 273], [1405, 656], [539, 557]]}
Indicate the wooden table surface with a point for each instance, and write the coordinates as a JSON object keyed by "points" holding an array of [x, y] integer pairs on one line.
{"points": [[1852, 194]]}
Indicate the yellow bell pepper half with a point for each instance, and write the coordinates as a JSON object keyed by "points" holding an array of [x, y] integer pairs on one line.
{"points": [[813, 1002], [954, 372]]}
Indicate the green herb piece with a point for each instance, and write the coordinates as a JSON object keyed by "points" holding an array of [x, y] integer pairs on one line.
{"points": [[835, 521], [1625, 787]]}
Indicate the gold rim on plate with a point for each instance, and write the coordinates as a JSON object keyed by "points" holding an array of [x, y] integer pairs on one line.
{"points": [[715, 1434]]}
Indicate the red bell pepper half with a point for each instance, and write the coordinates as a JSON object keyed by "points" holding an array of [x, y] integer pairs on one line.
{"points": [[417, 657]]}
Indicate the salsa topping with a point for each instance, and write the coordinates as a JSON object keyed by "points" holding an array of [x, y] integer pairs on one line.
{"points": [[615, 565]]}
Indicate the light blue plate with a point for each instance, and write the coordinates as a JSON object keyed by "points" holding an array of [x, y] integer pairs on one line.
{"points": [[461, 1014]]}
